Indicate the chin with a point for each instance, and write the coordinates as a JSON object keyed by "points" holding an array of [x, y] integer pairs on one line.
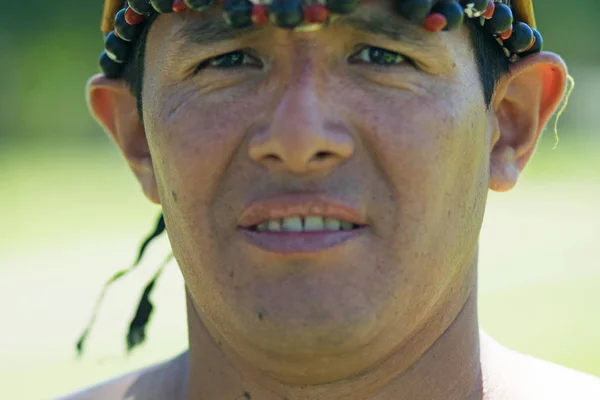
{"points": [[309, 317]]}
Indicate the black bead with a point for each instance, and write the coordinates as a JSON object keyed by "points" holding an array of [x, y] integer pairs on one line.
{"points": [[520, 39], [474, 8], [452, 11], [538, 46], [162, 6], [110, 68], [342, 6], [116, 48], [199, 5], [124, 30], [501, 21], [142, 7], [238, 13], [414, 10], [285, 13]]}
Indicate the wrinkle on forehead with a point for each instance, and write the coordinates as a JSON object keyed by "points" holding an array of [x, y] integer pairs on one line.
{"points": [[176, 39], [386, 22], [209, 27]]}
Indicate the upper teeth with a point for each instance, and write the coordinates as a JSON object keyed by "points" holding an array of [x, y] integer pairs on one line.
{"points": [[312, 223]]}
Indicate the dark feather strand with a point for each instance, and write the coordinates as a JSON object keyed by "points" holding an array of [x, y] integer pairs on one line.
{"points": [[137, 328], [160, 228]]}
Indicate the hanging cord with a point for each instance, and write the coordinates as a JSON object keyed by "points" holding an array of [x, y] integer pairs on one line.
{"points": [[565, 103], [159, 229]]}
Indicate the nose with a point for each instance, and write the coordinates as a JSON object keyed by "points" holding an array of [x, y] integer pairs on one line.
{"points": [[302, 137]]}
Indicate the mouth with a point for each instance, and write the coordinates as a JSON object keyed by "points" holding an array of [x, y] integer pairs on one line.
{"points": [[310, 223], [300, 224]]}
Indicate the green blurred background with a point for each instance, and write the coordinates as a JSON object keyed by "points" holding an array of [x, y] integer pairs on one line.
{"points": [[72, 215]]}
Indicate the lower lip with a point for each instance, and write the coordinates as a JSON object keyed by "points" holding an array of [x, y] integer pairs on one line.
{"points": [[299, 242]]}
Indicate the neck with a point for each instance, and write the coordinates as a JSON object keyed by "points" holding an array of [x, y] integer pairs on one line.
{"points": [[442, 361]]}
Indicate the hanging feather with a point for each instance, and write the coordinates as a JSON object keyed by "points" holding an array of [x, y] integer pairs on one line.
{"points": [[137, 328], [159, 229]]}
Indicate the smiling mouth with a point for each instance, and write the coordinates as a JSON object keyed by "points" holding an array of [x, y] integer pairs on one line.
{"points": [[294, 238], [310, 223], [300, 223]]}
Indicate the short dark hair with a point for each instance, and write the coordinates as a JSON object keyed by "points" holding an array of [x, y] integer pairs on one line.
{"points": [[491, 61]]}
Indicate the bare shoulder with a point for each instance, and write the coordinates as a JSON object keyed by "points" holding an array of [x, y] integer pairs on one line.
{"points": [[550, 381], [515, 376], [160, 381], [116, 388]]}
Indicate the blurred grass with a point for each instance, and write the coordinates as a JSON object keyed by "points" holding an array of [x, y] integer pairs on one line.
{"points": [[73, 216]]}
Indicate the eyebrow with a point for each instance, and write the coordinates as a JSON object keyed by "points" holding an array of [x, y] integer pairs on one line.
{"points": [[386, 24], [210, 30]]}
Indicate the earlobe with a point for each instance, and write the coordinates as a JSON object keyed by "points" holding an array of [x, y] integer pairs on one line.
{"points": [[525, 100], [114, 107]]}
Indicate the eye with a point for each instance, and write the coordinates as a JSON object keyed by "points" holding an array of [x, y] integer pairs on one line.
{"points": [[234, 59], [377, 56]]}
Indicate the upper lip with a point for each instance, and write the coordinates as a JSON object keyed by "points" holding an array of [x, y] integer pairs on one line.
{"points": [[299, 205]]}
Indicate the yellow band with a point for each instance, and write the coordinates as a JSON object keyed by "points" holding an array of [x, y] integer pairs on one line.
{"points": [[523, 11], [111, 8]]}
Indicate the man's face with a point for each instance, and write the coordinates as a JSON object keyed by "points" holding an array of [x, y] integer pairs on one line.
{"points": [[336, 113]]}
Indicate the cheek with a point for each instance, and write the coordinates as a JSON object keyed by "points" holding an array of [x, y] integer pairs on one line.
{"points": [[195, 140], [432, 151]]}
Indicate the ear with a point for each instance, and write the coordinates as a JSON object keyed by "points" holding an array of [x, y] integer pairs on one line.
{"points": [[523, 103], [114, 107]]}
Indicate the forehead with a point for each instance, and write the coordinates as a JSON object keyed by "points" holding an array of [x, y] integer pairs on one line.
{"points": [[177, 42], [376, 17]]}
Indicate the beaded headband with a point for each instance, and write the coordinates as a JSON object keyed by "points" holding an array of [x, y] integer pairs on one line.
{"points": [[510, 22]]}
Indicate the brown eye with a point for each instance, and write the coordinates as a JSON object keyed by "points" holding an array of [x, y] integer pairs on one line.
{"points": [[377, 56], [234, 59]]}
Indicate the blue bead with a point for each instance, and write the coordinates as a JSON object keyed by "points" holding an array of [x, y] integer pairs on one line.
{"points": [[520, 39], [538, 46], [110, 69], [285, 13], [238, 13], [162, 6], [124, 30], [142, 7], [452, 11], [501, 21], [414, 10], [116, 48]]}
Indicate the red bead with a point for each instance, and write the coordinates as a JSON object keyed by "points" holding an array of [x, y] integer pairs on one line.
{"points": [[489, 11], [435, 22], [507, 34], [531, 45], [179, 6], [260, 14], [132, 17], [316, 14]]}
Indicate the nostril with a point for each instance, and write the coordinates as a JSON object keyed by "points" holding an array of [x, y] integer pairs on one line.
{"points": [[272, 158], [322, 155]]}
